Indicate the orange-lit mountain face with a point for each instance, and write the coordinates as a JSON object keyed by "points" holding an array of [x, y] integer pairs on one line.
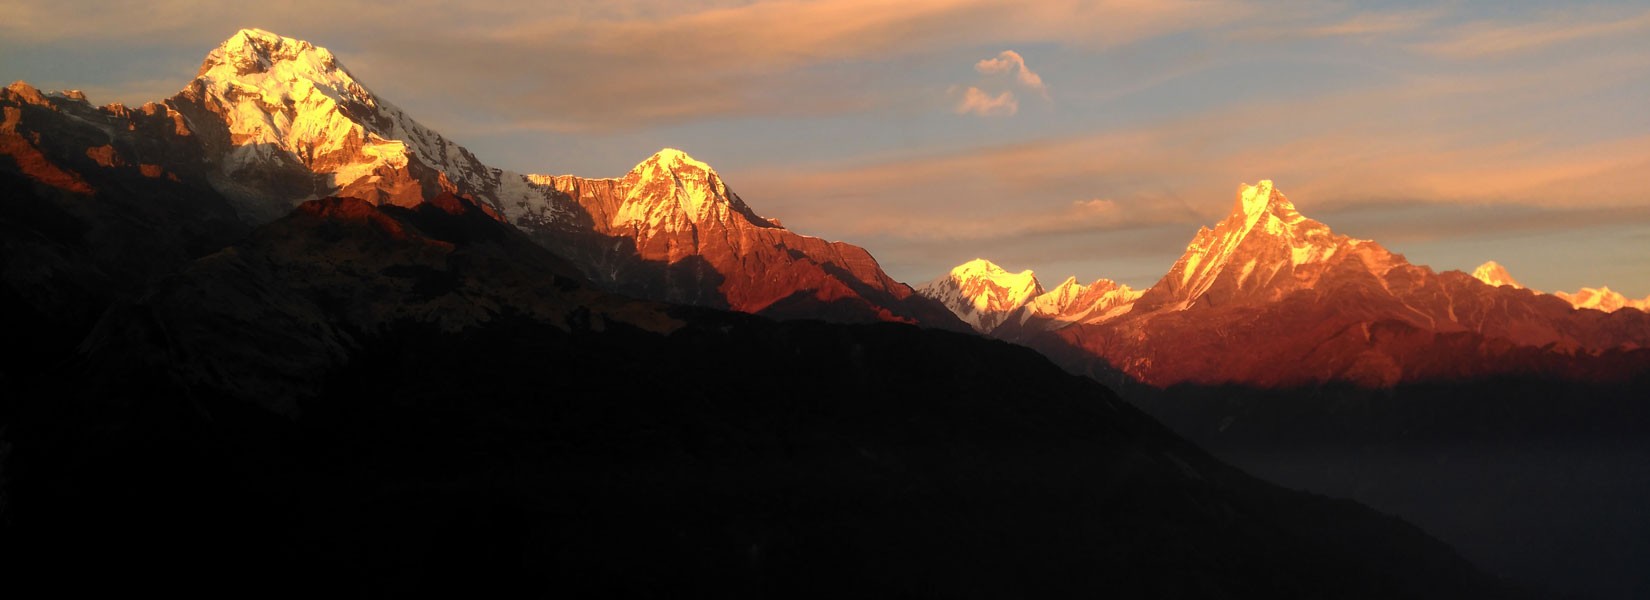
{"points": [[270, 122], [670, 229], [1271, 298]]}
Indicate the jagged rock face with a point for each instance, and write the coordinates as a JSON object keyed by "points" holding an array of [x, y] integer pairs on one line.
{"points": [[60, 140], [1271, 298], [1011, 305]]}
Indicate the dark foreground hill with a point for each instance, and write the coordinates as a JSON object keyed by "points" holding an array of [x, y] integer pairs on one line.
{"points": [[412, 401]]}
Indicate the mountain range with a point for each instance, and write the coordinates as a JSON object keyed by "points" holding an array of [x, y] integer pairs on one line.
{"points": [[270, 122], [1272, 298], [279, 331]]}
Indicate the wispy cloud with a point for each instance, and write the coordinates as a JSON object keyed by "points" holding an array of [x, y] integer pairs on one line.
{"points": [[1324, 20], [1500, 38], [1378, 23], [980, 104]]}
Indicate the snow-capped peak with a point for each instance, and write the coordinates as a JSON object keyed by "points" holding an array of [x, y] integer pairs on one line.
{"points": [[1059, 299], [286, 102], [287, 92], [992, 299], [983, 294], [1073, 302], [671, 191], [1494, 274], [1604, 299], [256, 51], [995, 286], [1261, 203]]}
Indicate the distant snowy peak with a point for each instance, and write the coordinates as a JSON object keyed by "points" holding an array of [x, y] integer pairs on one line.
{"points": [[992, 288], [1263, 250], [1071, 302], [990, 298], [1494, 274], [983, 294], [1601, 299], [1056, 300], [1604, 299]]}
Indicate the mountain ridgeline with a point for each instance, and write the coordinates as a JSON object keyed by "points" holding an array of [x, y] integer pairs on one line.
{"points": [[270, 122], [1285, 302], [279, 337]]}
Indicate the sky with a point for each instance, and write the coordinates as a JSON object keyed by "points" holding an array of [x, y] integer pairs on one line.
{"points": [[1081, 138]]}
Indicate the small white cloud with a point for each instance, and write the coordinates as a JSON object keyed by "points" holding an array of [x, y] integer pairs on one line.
{"points": [[1009, 61], [976, 102]]}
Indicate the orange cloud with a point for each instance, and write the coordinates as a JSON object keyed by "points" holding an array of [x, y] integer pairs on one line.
{"points": [[978, 103], [1009, 61]]}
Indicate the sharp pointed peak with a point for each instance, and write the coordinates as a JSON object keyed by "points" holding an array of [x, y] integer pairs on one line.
{"points": [[1493, 273], [1260, 198]]}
